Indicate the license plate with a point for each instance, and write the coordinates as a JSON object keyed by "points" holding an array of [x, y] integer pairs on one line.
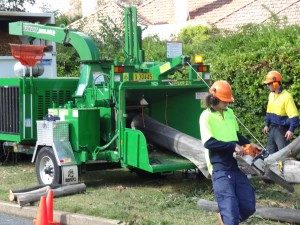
{"points": [[142, 76]]}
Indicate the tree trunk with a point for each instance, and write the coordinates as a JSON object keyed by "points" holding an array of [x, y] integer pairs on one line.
{"points": [[291, 150], [173, 140], [291, 170], [271, 213], [13, 195], [27, 189], [26, 198]]}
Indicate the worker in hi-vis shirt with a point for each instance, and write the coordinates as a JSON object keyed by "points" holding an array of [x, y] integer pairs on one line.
{"points": [[282, 117], [220, 135]]}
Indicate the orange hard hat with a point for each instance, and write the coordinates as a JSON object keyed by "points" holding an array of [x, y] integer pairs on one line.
{"points": [[221, 89], [273, 76]]}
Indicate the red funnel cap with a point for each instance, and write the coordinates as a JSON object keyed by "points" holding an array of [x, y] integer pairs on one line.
{"points": [[28, 55]]}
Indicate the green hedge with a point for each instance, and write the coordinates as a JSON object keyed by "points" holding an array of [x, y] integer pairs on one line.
{"points": [[243, 58]]}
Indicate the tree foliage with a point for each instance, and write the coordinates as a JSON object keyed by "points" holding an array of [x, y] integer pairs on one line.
{"points": [[155, 49], [14, 5], [68, 62], [109, 39]]}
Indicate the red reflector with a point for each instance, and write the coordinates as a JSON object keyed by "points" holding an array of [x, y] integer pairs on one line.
{"points": [[119, 69], [61, 160], [202, 68]]}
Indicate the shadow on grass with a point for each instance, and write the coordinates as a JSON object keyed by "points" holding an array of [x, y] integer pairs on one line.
{"points": [[270, 194], [127, 179]]}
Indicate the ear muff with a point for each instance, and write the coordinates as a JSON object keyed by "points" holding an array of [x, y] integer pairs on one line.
{"points": [[214, 101], [275, 85]]}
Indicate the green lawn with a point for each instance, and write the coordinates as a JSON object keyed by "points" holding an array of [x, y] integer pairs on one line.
{"points": [[122, 195]]}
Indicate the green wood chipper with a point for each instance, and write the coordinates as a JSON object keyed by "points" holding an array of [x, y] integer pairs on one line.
{"points": [[126, 114]]}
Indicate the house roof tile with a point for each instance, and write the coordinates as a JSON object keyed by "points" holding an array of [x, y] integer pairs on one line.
{"points": [[258, 11], [227, 14]]}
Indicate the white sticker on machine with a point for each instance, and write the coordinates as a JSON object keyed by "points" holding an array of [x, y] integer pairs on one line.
{"points": [[201, 95], [69, 174], [27, 122]]}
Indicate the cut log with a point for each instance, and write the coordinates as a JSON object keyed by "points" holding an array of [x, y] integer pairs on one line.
{"points": [[173, 140], [25, 198], [13, 195], [271, 213], [289, 170], [28, 189], [207, 205]]}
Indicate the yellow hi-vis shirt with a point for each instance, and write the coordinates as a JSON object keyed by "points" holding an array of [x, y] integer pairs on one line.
{"points": [[282, 104], [214, 125]]}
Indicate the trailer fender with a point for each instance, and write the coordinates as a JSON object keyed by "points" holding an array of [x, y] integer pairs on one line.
{"points": [[62, 150]]}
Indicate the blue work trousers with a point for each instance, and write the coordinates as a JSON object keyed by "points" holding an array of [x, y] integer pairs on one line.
{"points": [[234, 194], [276, 139]]}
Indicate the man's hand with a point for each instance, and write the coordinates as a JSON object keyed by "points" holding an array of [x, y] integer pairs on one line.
{"points": [[289, 135], [266, 130], [239, 150]]}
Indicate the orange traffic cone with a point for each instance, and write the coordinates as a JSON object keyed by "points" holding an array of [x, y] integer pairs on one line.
{"points": [[50, 208], [49, 204], [41, 218]]}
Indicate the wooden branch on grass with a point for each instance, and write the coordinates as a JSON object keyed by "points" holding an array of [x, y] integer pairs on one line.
{"points": [[58, 192], [30, 190], [13, 195], [31, 196], [271, 213]]}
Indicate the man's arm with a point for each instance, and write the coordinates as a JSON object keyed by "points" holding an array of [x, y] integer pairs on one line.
{"points": [[214, 145]]}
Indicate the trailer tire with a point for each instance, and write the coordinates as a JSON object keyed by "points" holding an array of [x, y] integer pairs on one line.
{"points": [[47, 170]]}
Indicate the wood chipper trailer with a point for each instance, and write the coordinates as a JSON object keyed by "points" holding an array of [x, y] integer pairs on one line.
{"points": [[97, 125]]}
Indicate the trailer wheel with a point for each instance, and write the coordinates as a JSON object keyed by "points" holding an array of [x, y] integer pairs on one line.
{"points": [[47, 169]]}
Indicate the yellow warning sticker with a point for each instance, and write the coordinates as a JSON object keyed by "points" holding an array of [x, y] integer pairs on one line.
{"points": [[163, 68]]}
